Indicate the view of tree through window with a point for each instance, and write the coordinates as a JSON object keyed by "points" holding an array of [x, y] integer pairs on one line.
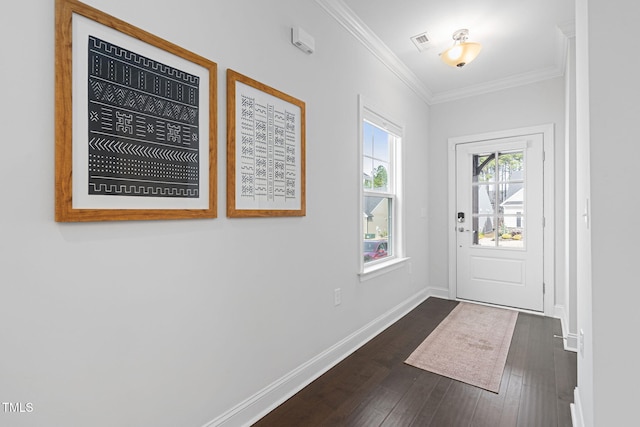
{"points": [[498, 199], [378, 192], [380, 178]]}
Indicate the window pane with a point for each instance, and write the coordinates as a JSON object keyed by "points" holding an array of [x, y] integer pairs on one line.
{"points": [[511, 194], [511, 199], [498, 199], [367, 141], [484, 167], [380, 164], [484, 231], [381, 145], [377, 228], [511, 231], [484, 199], [376, 162], [380, 175], [510, 166], [367, 174]]}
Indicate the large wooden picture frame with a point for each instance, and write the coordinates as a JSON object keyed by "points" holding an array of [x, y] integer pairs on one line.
{"points": [[265, 150], [135, 122]]}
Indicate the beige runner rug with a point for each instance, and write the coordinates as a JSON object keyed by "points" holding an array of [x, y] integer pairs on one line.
{"points": [[469, 345]]}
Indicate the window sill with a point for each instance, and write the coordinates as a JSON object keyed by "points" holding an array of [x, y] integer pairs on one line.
{"points": [[384, 267]]}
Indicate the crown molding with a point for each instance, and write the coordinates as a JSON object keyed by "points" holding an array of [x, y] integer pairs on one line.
{"points": [[496, 85], [568, 28], [352, 23], [565, 31]]}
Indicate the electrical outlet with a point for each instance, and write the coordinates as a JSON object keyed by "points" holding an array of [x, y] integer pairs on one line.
{"points": [[581, 343], [337, 296]]}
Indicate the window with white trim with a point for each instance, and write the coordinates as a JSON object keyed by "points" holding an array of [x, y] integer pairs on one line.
{"points": [[380, 191]]}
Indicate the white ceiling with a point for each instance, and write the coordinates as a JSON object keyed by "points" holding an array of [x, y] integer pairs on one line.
{"points": [[522, 40]]}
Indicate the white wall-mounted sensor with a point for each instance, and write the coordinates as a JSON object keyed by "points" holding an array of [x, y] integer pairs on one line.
{"points": [[302, 40]]}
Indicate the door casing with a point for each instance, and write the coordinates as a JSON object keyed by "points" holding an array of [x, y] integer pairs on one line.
{"points": [[547, 132]]}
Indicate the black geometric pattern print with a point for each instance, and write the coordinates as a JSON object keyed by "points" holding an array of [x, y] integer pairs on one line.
{"points": [[143, 125], [267, 152]]}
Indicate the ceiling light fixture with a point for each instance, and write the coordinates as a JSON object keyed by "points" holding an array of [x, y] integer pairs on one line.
{"points": [[462, 52]]}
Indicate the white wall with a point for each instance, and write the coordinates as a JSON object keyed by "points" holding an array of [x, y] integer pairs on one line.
{"points": [[532, 105], [584, 399], [570, 255], [607, 165], [170, 323]]}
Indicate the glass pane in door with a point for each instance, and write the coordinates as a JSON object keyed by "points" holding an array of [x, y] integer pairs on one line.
{"points": [[498, 210], [511, 231], [484, 199], [510, 166], [484, 231], [483, 213], [484, 167]]}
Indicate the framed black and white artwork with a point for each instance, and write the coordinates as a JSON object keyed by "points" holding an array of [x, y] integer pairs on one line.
{"points": [[265, 150], [135, 122]]}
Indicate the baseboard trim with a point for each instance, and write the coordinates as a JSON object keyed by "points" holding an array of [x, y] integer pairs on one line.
{"points": [[577, 419], [255, 407], [570, 340], [438, 292]]}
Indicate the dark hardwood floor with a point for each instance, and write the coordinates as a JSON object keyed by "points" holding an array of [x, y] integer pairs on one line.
{"points": [[374, 387]]}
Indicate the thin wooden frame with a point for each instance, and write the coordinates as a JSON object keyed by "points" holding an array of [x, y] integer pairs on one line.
{"points": [[283, 151], [197, 201]]}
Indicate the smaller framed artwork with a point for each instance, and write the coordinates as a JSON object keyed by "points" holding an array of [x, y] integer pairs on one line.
{"points": [[265, 150], [135, 122]]}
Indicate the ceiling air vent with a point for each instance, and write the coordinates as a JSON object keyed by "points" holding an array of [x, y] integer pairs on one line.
{"points": [[421, 41]]}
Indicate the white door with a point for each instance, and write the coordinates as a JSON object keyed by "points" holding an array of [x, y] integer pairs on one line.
{"points": [[499, 212]]}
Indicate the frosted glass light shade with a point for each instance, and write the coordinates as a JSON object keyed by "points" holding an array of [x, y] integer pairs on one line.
{"points": [[461, 54]]}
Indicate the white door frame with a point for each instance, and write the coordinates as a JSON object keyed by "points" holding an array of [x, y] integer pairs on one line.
{"points": [[547, 132]]}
